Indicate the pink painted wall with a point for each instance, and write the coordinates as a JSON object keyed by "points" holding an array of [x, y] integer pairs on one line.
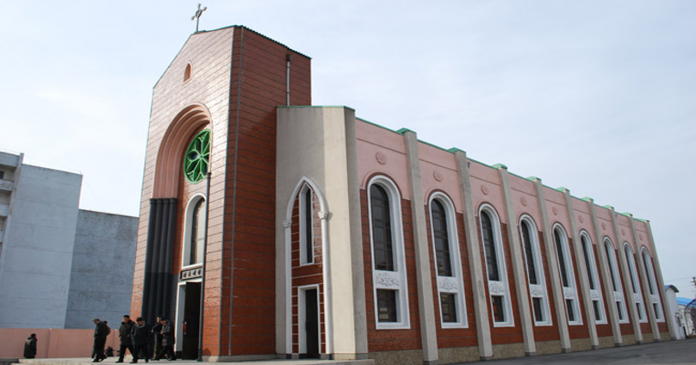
{"points": [[52, 343]]}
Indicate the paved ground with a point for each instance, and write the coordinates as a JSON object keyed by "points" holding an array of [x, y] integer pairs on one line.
{"points": [[661, 353], [668, 352]]}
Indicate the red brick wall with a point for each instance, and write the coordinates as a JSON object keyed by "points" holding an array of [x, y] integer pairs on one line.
{"points": [[247, 320], [400, 339]]}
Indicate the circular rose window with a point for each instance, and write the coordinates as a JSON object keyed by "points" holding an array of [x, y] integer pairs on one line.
{"points": [[196, 160]]}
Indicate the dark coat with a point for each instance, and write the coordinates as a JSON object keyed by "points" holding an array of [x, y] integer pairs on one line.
{"points": [[157, 330], [140, 335], [30, 348], [168, 334], [101, 331], [124, 332]]}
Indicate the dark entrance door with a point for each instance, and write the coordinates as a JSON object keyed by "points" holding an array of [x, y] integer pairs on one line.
{"points": [[311, 324], [192, 312]]}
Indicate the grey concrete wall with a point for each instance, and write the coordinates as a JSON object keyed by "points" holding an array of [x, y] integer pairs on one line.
{"points": [[102, 269], [37, 252]]}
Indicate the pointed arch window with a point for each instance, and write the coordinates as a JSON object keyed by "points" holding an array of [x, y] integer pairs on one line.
{"points": [[306, 226], [565, 265], [450, 283], [593, 278], [635, 283], [652, 285], [535, 272], [195, 232], [616, 281], [390, 287], [498, 287]]}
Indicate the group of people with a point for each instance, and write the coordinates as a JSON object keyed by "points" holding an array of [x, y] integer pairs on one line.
{"points": [[136, 338]]}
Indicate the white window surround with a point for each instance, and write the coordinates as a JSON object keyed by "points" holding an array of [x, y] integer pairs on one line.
{"points": [[596, 293], [536, 290], [637, 296], [500, 287], [390, 280], [304, 260], [188, 219], [614, 272], [450, 284], [570, 292], [654, 296]]}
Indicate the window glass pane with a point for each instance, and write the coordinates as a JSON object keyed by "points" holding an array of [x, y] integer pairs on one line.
{"points": [[618, 309], [386, 305], [631, 267], [307, 226], [538, 309], [197, 233], [529, 253], [588, 251], [498, 309], [597, 312], [612, 264], [648, 270], [571, 310], [489, 247], [561, 258], [381, 229], [441, 239], [448, 307]]}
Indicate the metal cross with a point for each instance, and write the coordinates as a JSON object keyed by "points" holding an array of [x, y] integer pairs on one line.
{"points": [[198, 14]]}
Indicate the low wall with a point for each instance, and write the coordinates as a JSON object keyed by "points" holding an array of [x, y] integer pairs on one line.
{"points": [[52, 343]]}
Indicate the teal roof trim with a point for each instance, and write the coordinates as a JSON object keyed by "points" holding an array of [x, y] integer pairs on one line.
{"points": [[499, 166], [375, 124], [455, 149], [404, 130]]}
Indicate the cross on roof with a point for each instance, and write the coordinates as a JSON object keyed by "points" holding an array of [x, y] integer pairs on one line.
{"points": [[198, 14]]}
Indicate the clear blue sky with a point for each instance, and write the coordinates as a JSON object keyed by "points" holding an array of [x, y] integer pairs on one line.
{"points": [[596, 96]]}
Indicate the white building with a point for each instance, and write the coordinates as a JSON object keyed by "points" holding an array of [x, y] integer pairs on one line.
{"points": [[59, 266]]}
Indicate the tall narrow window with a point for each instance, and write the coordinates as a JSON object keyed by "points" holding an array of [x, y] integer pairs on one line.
{"points": [[388, 260], [381, 229], [652, 285], [615, 281], [635, 284], [197, 234], [306, 226], [593, 278], [535, 272], [498, 287], [565, 266], [450, 284]]}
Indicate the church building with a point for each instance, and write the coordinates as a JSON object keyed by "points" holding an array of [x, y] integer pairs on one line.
{"points": [[272, 228]]}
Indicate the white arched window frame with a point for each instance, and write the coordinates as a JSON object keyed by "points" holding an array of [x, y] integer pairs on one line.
{"points": [[450, 287], [188, 232], [567, 272], [652, 285], [536, 279], [390, 284], [593, 278], [498, 288], [635, 283], [306, 221], [616, 281]]}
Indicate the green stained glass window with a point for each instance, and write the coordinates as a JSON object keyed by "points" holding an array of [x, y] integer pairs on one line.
{"points": [[196, 162]]}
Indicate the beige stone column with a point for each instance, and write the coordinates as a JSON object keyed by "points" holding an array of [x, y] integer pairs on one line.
{"points": [[582, 271], [605, 274], [420, 237], [518, 267], [478, 283], [626, 277], [554, 274], [660, 282]]}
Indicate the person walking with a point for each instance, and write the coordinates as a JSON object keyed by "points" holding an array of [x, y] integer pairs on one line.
{"points": [[140, 335], [157, 332], [30, 347], [167, 339], [100, 332], [124, 334]]}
